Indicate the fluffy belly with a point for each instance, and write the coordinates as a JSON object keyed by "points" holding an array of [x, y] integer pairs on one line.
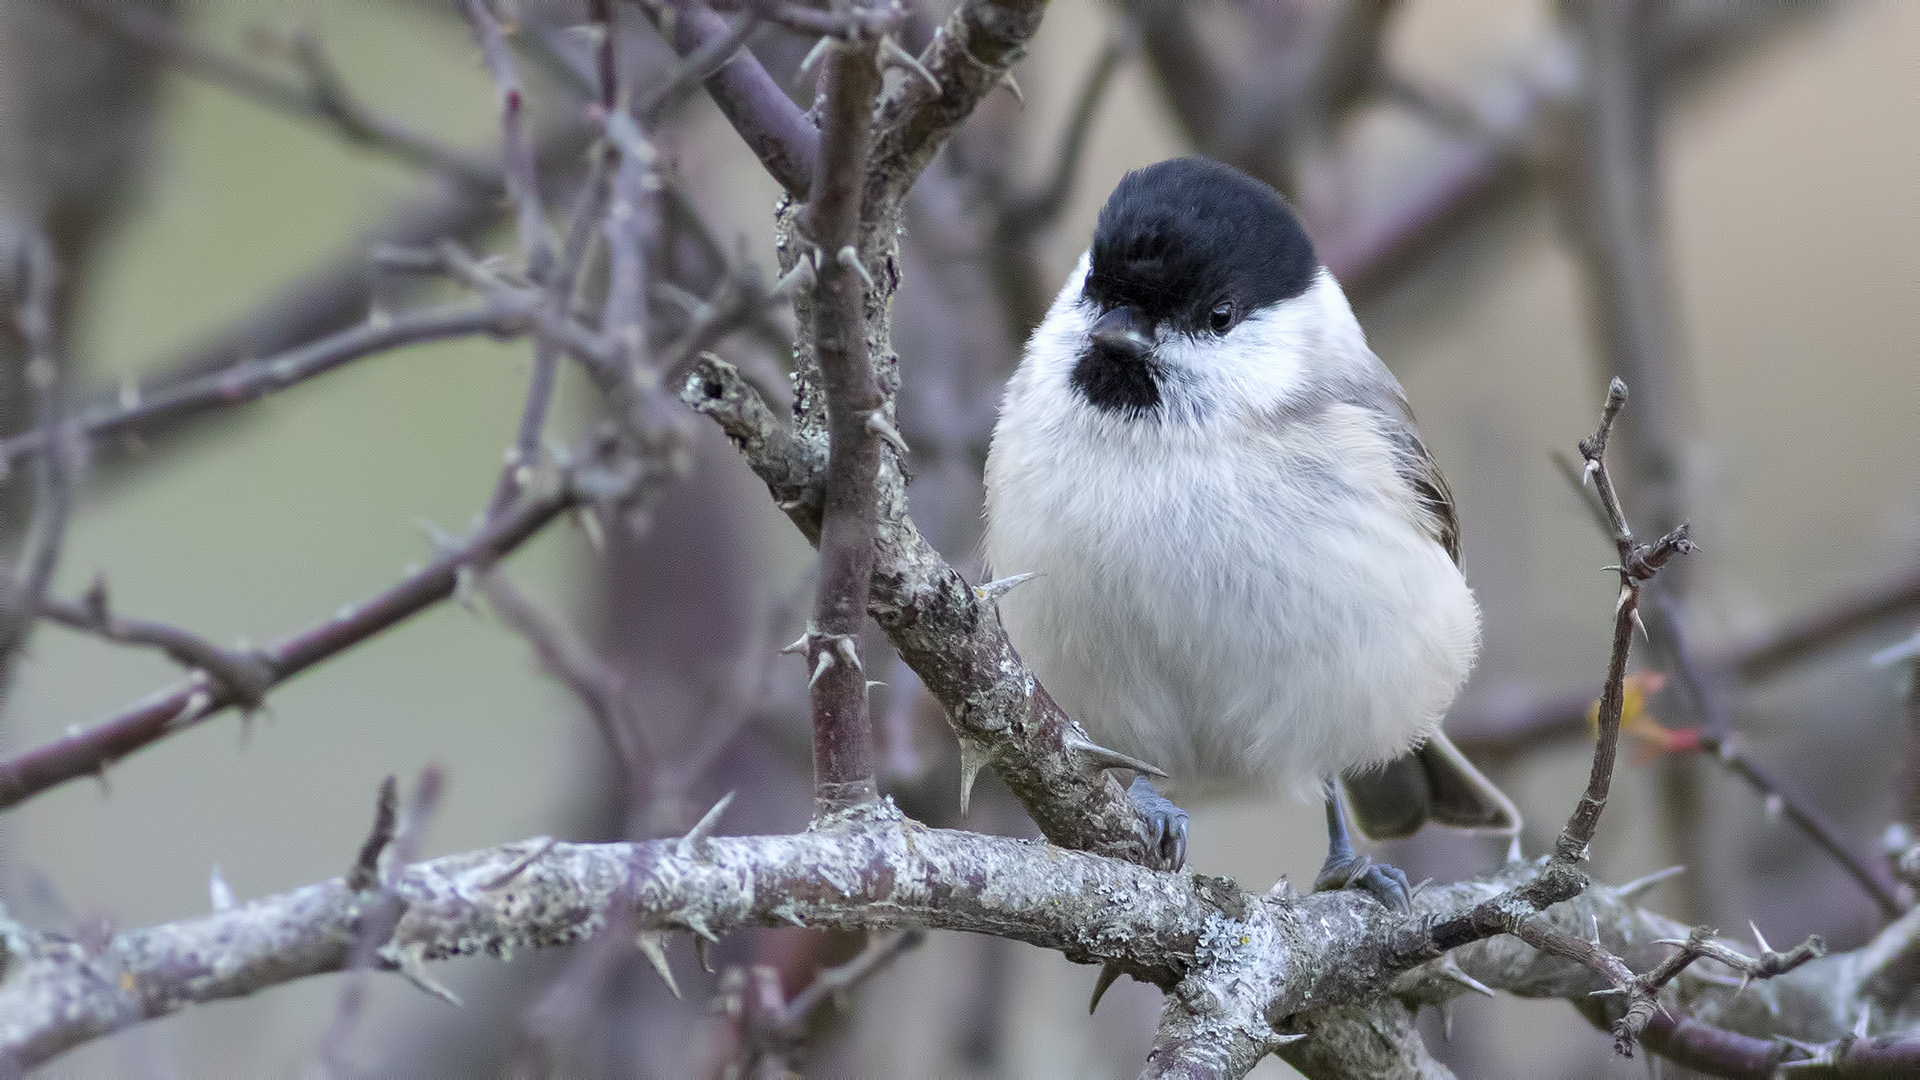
{"points": [[1267, 648]]}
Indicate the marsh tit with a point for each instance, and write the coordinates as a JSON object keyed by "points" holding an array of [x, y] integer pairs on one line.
{"points": [[1246, 562]]}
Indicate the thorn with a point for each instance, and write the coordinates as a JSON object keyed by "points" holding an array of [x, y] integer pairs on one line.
{"points": [[878, 424], [1013, 87], [411, 962], [651, 945], [1587, 474], [849, 653], [464, 591], [1608, 990], [891, 54], [1107, 758], [589, 523], [798, 645], [812, 60], [1626, 593], [1109, 974], [850, 259], [1895, 654], [1641, 884], [700, 954], [820, 667], [1288, 1040], [1860, 1025], [218, 890], [800, 277], [691, 845], [1283, 889], [1757, 936], [999, 587], [699, 926], [1593, 933], [1640, 625], [1446, 1020], [972, 760], [1513, 849], [1448, 968]]}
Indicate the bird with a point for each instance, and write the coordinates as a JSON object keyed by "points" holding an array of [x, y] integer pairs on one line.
{"points": [[1244, 563]]}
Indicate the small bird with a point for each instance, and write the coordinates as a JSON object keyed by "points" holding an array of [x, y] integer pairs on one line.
{"points": [[1245, 561]]}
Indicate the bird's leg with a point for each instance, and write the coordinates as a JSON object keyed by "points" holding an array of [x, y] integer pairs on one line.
{"points": [[1344, 869], [1167, 821]]}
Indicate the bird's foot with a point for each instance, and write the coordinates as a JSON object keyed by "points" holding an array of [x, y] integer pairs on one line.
{"points": [[1387, 884], [1167, 823]]}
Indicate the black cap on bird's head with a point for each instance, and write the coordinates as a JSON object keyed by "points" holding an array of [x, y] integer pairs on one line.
{"points": [[1178, 240], [1185, 246]]}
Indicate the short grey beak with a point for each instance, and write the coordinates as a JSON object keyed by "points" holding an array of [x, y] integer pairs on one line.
{"points": [[1120, 333]]}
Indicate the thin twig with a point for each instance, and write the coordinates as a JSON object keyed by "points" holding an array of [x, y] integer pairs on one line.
{"points": [[597, 685], [241, 673], [87, 751], [1715, 737], [135, 413], [587, 209], [53, 474], [516, 149], [394, 841], [325, 99]]}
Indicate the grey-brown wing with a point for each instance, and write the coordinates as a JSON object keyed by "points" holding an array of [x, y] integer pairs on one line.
{"points": [[1433, 500]]}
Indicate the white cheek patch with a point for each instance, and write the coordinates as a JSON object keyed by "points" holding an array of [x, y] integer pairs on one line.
{"points": [[1265, 361]]}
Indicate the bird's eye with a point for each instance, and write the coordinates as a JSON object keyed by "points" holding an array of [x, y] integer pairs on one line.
{"points": [[1220, 319]]}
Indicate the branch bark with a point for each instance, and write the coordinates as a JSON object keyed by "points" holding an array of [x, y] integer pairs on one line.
{"points": [[856, 417]]}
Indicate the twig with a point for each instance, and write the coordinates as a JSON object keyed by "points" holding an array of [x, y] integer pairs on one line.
{"points": [[768, 1030], [1561, 877], [53, 475], [1716, 738], [241, 673], [1638, 564], [326, 99], [773, 127], [89, 750], [699, 66], [1045, 205], [1825, 627], [396, 838], [842, 731], [596, 684], [135, 414], [516, 150], [587, 209]]}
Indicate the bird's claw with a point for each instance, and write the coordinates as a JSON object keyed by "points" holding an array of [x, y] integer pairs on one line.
{"points": [[1166, 823], [1387, 884]]}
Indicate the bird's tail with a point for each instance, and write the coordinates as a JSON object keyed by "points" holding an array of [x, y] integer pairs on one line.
{"points": [[1434, 782]]}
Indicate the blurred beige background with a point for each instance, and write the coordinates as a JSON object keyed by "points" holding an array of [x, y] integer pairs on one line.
{"points": [[1794, 192]]}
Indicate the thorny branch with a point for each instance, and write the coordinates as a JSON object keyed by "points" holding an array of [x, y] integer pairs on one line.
{"points": [[88, 751], [135, 413], [856, 419]]}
